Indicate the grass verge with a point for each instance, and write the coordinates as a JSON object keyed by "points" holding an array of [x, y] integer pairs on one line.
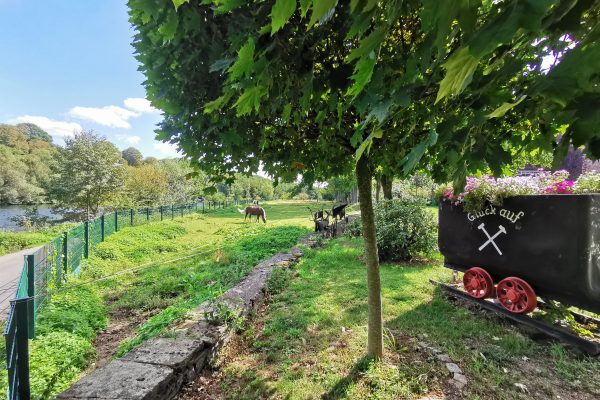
{"points": [[153, 298], [311, 342]]}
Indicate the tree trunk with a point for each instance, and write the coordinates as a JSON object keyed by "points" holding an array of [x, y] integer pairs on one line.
{"points": [[377, 188], [375, 330], [386, 184]]}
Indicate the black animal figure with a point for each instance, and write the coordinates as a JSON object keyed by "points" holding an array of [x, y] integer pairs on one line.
{"points": [[339, 212], [316, 215], [322, 225]]}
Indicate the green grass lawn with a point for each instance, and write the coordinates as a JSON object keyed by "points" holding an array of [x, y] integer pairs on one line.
{"points": [[111, 316], [310, 342]]}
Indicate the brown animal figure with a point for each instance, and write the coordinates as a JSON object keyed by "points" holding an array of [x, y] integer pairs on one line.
{"points": [[258, 211]]}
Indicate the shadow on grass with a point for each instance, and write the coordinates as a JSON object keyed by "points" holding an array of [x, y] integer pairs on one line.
{"points": [[248, 385], [339, 390]]}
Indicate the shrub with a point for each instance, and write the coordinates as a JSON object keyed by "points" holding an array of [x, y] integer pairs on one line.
{"points": [[404, 230], [588, 183]]}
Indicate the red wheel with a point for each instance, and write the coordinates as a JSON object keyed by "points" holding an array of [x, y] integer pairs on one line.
{"points": [[516, 295], [478, 283]]}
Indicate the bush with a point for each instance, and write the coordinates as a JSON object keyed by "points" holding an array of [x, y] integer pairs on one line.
{"points": [[404, 230], [588, 182]]}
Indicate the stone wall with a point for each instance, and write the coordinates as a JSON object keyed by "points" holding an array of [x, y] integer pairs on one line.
{"points": [[158, 368]]}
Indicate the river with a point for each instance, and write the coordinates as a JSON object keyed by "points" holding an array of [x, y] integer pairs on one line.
{"points": [[9, 212]]}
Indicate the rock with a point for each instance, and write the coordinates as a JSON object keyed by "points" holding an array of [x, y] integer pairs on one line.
{"points": [[521, 387], [444, 358], [135, 381], [453, 368], [460, 378]]}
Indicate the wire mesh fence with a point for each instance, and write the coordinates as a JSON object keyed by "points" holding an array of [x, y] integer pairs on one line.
{"points": [[50, 266]]}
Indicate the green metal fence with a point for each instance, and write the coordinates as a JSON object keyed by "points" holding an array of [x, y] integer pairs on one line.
{"points": [[50, 266]]}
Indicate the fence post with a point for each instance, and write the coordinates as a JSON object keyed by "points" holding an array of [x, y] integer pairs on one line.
{"points": [[161, 213], [181, 208], [31, 293], [86, 238], [131, 217], [116, 221], [147, 214], [172, 211], [102, 228], [202, 206], [66, 251], [22, 348]]}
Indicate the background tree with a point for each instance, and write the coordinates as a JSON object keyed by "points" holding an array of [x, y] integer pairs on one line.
{"points": [[27, 154], [34, 132], [88, 175], [143, 186], [303, 87], [133, 156]]}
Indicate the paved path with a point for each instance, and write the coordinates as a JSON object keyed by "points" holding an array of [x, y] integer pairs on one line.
{"points": [[10, 271]]}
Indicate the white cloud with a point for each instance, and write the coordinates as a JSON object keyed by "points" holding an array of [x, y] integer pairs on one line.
{"points": [[131, 139], [53, 127], [114, 116], [140, 105], [167, 149], [111, 116]]}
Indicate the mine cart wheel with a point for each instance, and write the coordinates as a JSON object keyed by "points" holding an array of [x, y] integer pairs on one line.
{"points": [[516, 295], [478, 283]]}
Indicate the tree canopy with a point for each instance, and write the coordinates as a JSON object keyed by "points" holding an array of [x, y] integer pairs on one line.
{"points": [[133, 156], [323, 87]]}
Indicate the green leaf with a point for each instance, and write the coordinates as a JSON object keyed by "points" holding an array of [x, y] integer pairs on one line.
{"points": [[249, 100], [224, 6], [287, 111], [368, 44], [221, 65], [320, 10], [179, 3], [500, 111], [411, 160], [281, 12], [245, 61], [366, 145], [169, 27], [362, 75], [304, 6], [459, 73]]}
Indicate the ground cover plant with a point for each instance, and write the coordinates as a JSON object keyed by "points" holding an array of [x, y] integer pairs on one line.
{"points": [[307, 343], [109, 317], [16, 241]]}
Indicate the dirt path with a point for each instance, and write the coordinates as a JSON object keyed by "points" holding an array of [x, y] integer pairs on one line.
{"points": [[10, 271]]}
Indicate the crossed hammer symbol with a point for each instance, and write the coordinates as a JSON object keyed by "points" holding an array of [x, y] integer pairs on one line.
{"points": [[501, 230]]}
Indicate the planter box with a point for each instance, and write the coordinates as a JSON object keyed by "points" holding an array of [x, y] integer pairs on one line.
{"points": [[551, 241]]}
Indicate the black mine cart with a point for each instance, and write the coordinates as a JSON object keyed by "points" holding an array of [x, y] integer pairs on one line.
{"points": [[544, 245]]}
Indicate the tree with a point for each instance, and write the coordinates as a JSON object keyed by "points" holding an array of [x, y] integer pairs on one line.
{"points": [[133, 156], [88, 175], [143, 186], [26, 155], [34, 132], [328, 87]]}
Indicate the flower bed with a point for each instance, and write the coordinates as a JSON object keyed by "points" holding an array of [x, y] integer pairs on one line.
{"points": [[480, 191]]}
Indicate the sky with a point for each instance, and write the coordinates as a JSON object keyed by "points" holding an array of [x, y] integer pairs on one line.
{"points": [[68, 65]]}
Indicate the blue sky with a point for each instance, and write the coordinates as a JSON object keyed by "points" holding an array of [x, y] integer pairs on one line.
{"points": [[68, 65]]}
